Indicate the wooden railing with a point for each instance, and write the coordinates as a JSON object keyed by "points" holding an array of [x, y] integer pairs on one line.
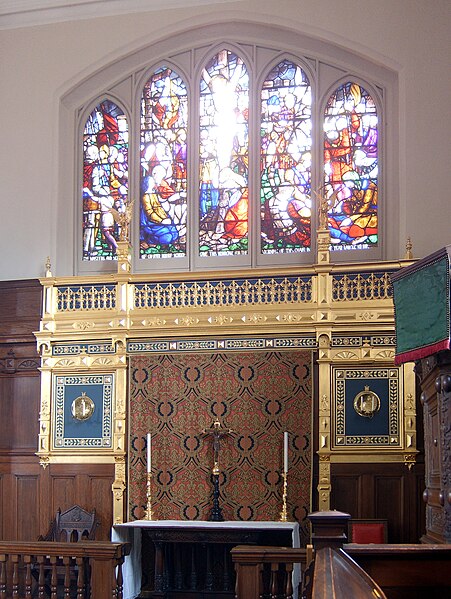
{"points": [[357, 571], [268, 571], [84, 570]]}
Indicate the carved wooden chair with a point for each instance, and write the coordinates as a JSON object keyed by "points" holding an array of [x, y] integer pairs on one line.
{"points": [[367, 531], [72, 526]]}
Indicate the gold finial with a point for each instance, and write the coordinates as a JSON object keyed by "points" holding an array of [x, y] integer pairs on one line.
{"points": [[48, 267], [123, 219], [409, 254], [324, 206]]}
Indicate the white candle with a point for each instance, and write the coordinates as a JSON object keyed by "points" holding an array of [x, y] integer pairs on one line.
{"points": [[285, 452], [149, 453]]}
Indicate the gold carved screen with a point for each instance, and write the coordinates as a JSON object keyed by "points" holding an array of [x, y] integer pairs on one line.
{"points": [[343, 314]]}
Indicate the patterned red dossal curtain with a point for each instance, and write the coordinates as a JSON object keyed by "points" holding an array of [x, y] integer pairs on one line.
{"points": [[259, 395]]}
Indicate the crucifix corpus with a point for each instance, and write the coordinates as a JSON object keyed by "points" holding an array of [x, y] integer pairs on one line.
{"points": [[217, 432]]}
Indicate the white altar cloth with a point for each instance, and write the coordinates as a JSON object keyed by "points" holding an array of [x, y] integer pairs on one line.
{"points": [[130, 532]]}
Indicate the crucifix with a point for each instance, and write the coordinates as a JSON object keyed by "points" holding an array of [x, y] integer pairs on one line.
{"points": [[217, 432]]}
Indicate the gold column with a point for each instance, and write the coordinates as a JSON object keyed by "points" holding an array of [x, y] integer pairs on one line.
{"points": [[324, 421]]}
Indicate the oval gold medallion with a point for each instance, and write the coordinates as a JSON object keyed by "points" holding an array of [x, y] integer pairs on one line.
{"points": [[82, 407]]}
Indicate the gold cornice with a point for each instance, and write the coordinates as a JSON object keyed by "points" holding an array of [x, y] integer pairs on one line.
{"points": [[225, 322], [374, 457], [83, 456], [298, 270]]}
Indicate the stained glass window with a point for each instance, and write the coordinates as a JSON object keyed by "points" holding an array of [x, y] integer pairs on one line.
{"points": [[234, 149], [223, 156], [286, 157], [163, 208], [105, 179], [351, 167]]}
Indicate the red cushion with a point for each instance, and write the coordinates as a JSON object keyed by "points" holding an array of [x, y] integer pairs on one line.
{"points": [[367, 533]]}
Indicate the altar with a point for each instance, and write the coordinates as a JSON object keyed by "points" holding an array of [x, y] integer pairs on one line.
{"points": [[192, 557]]}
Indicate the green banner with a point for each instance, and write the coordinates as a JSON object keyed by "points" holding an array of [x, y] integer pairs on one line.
{"points": [[422, 307]]}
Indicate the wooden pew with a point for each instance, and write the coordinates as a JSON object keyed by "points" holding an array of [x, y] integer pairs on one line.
{"points": [[407, 571]]}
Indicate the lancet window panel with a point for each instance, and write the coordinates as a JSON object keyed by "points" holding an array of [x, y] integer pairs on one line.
{"points": [[286, 159], [224, 156], [105, 179], [351, 166], [230, 160], [163, 195]]}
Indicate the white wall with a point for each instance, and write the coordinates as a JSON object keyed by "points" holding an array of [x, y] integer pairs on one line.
{"points": [[38, 65]]}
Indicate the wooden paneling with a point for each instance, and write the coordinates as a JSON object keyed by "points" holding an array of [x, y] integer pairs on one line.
{"points": [[88, 485], [2, 509], [347, 486], [101, 495], [387, 490], [6, 401], [391, 486], [30, 494], [27, 491], [19, 403], [63, 493], [19, 516], [20, 307]]}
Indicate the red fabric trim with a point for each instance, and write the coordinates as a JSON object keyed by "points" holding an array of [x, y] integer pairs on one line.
{"points": [[421, 352]]}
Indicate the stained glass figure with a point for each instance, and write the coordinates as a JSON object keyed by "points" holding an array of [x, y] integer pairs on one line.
{"points": [[224, 156], [351, 167], [286, 157], [105, 179], [164, 118]]}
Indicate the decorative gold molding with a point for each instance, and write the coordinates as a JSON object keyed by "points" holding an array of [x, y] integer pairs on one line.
{"points": [[324, 484], [118, 488]]}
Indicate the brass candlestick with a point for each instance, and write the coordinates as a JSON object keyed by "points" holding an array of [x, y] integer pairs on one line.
{"points": [[283, 513], [149, 512]]}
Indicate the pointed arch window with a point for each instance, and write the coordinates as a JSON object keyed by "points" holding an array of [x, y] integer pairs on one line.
{"points": [[224, 157], [232, 148], [351, 167], [286, 158], [163, 205], [105, 179]]}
